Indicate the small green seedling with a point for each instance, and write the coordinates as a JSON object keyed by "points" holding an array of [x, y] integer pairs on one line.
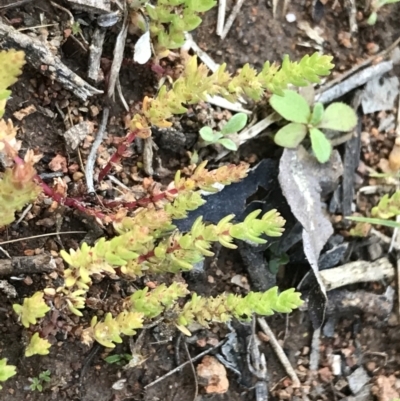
{"points": [[37, 382], [118, 359], [375, 6], [234, 125], [294, 108], [6, 371]]}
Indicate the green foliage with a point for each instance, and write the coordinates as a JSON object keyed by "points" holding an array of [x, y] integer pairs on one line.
{"points": [[196, 83], [11, 63], [6, 371], [76, 28], [17, 187], [294, 108], [37, 346], [387, 208], [150, 304], [234, 125], [118, 359], [32, 309], [223, 307], [170, 19], [375, 7], [37, 382], [110, 330]]}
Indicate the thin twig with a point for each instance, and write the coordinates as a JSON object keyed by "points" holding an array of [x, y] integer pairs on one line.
{"points": [[279, 352], [95, 51], [16, 4], [93, 151], [357, 67], [24, 213], [40, 236], [118, 55], [384, 238], [221, 16], [196, 384], [352, 10], [121, 95], [27, 28], [177, 369], [71, 17], [360, 271], [314, 356], [177, 348], [231, 18], [354, 81]]}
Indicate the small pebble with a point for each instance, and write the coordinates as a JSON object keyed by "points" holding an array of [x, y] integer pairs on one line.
{"points": [[290, 17]]}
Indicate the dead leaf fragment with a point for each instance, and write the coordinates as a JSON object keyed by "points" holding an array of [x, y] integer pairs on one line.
{"points": [[76, 134], [59, 163], [21, 114], [386, 388], [212, 375], [302, 180]]}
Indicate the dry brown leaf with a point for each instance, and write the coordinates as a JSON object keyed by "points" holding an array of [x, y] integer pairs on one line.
{"points": [[26, 111]]}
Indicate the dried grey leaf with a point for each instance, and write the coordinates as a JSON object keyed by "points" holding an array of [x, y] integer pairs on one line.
{"points": [[75, 135], [301, 178]]}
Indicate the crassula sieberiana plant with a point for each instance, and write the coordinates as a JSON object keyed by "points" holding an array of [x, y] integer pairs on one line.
{"points": [[196, 83], [17, 187], [147, 242], [168, 20]]}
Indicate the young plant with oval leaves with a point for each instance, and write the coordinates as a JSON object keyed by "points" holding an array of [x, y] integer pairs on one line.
{"points": [[234, 125], [295, 108]]}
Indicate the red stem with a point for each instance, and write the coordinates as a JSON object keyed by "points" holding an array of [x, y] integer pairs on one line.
{"points": [[117, 156], [140, 202], [71, 202]]}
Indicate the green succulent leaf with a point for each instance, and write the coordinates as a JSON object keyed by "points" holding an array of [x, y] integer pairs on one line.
{"points": [[228, 144], [32, 309], [37, 346], [320, 145], [176, 39], [291, 135], [6, 371], [317, 114], [291, 106], [190, 20], [338, 117], [235, 124], [200, 6]]}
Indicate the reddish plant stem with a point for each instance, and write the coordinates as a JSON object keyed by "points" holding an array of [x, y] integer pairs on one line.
{"points": [[118, 155], [71, 202], [140, 202]]}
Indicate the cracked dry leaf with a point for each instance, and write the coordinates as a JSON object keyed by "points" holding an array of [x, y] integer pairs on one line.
{"points": [[302, 180]]}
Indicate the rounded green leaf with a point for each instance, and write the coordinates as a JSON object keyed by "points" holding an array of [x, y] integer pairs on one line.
{"points": [[207, 134], [235, 124], [228, 144], [320, 145], [317, 114], [291, 135], [339, 117], [291, 106]]}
